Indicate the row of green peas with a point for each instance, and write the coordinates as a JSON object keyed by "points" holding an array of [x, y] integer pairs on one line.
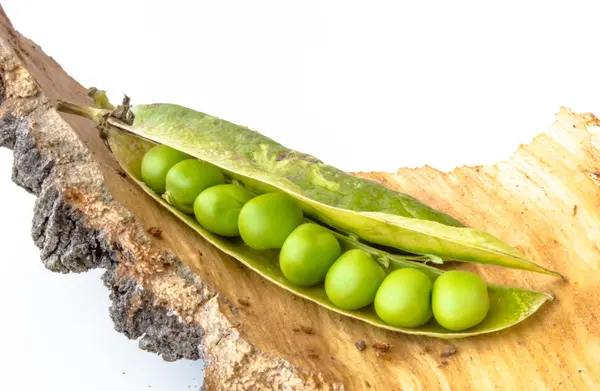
{"points": [[309, 253]]}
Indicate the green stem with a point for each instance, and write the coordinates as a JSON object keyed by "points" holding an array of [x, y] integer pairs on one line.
{"points": [[88, 112]]}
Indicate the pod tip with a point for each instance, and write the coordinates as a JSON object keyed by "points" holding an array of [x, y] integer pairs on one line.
{"points": [[564, 278]]}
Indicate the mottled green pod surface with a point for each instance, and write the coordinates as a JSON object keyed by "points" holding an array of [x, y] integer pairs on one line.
{"points": [[361, 207], [246, 152]]}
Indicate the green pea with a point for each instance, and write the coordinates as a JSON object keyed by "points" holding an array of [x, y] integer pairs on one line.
{"points": [[459, 300], [404, 298], [217, 208], [157, 162], [308, 253], [352, 281], [267, 220], [186, 179]]}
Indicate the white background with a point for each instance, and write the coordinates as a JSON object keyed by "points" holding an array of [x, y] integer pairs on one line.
{"points": [[364, 86]]}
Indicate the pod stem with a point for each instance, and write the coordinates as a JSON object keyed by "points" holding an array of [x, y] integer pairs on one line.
{"points": [[91, 113]]}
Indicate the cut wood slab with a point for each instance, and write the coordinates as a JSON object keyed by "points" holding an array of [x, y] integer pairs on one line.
{"points": [[199, 303]]}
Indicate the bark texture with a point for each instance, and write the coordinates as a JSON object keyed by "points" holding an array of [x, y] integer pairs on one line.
{"points": [[184, 299]]}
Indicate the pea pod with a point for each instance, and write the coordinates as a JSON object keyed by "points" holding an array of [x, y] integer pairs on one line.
{"points": [[352, 205], [509, 305]]}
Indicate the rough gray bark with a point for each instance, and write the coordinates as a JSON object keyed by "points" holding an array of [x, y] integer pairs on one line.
{"points": [[67, 244]]}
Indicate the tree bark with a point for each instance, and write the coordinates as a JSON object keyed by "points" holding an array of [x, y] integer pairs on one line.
{"points": [[184, 299]]}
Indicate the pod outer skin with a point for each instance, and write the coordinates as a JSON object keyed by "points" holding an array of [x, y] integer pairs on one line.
{"points": [[508, 305], [353, 205]]}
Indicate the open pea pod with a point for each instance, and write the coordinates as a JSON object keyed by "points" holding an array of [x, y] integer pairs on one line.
{"points": [[350, 204], [508, 305]]}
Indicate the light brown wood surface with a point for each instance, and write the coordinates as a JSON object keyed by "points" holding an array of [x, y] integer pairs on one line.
{"points": [[544, 199]]}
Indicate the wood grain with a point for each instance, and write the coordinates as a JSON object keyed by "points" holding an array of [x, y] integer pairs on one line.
{"points": [[544, 199]]}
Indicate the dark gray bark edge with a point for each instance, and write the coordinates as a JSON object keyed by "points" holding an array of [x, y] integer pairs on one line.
{"points": [[68, 244]]}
